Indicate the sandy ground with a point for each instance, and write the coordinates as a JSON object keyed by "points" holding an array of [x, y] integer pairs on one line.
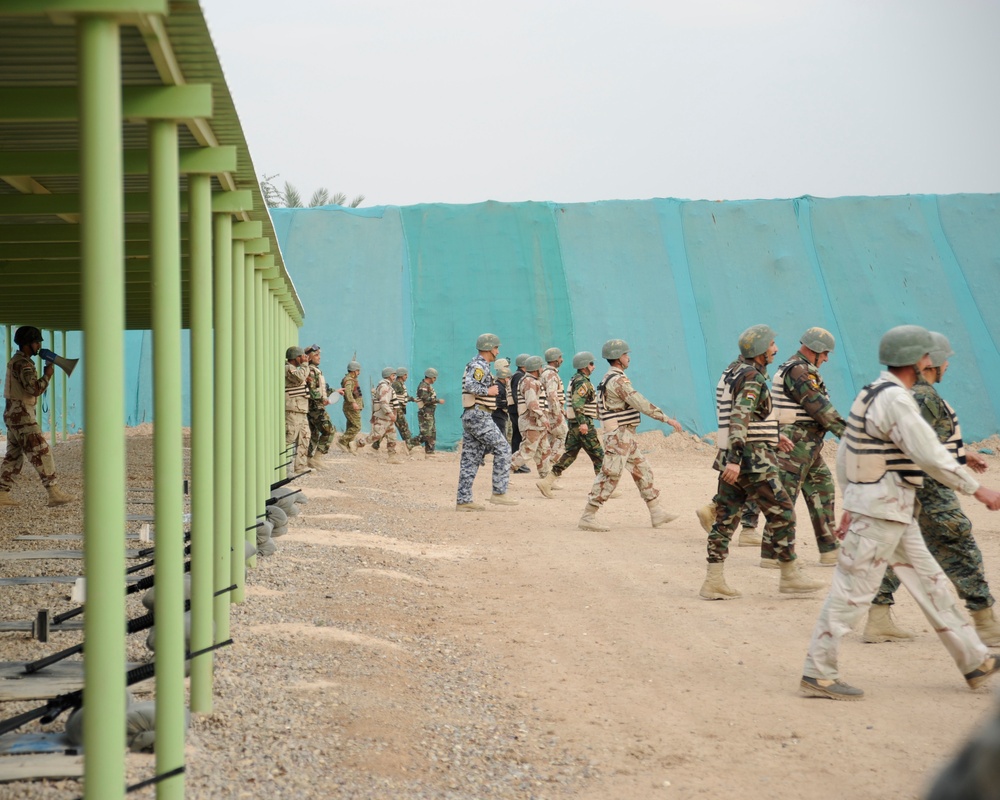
{"points": [[434, 650]]}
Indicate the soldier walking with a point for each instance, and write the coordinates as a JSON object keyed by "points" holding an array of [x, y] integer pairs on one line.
{"points": [[621, 408], [532, 422], [353, 403], [555, 394], [427, 403], [297, 434], [582, 418], [402, 397], [384, 414], [748, 469], [946, 529], [515, 432], [321, 429], [21, 390]]}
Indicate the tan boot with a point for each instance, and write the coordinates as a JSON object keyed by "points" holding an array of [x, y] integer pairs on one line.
{"points": [[658, 515], [545, 485], [396, 458], [556, 486], [795, 581], [715, 586], [770, 563], [706, 517], [588, 522], [503, 500], [881, 627], [315, 463], [750, 538], [57, 497], [470, 507], [987, 626], [829, 558], [7, 500], [982, 673]]}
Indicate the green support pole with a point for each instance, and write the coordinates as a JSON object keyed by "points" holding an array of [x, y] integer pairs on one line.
{"points": [[263, 378], [53, 395], [239, 521], [64, 387], [250, 498], [202, 439], [102, 255], [223, 376], [168, 465]]}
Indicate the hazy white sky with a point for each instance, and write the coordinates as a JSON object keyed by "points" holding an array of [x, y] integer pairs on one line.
{"points": [[463, 101]]}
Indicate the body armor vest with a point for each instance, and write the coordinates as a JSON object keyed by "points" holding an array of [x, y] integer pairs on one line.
{"points": [[724, 405], [868, 458], [954, 442], [12, 389], [619, 417], [786, 409], [764, 427]]}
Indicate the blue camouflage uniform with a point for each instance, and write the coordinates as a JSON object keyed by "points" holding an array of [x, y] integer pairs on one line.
{"points": [[480, 434]]}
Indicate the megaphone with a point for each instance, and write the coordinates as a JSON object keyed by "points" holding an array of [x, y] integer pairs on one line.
{"points": [[67, 365]]}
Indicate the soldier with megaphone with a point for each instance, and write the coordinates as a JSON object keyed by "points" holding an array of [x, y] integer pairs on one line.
{"points": [[21, 390]]}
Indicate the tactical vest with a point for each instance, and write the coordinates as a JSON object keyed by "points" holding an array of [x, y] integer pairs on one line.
{"points": [[297, 398], [522, 404], [954, 442], [724, 405], [590, 406], [618, 418], [786, 409], [12, 389], [483, 401], [868, 459], [764, 427], [399, 400], [560, 392], [433, 396]]}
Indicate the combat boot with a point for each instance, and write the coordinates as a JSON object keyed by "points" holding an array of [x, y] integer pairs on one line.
{"points": [[658, 515], [7, 500], [769, 563], [470, 506], [57, 497], [503, 500], [706, 517], [981, 674], [617, 493], [829, 558], [987, 626], [832, 690], [315, 463], [588, 522], [881, 627], [545, 485], [395, 458], [750, 538], [795, 581], [715, 586], [556, 486]]}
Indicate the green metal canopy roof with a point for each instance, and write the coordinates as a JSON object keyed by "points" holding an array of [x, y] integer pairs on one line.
{"points": [[170, 69]]}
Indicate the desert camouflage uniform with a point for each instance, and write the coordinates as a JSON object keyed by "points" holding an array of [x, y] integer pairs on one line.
{"points": [[582, 396], [621, 444], [480, 434], [320, 427], [428, 400], [22, 388], [752, 446], [555, 392], [944, 526], [383, 415], [402, 397], [296, 413], [803, 469], [532, 423], [352, 394]]}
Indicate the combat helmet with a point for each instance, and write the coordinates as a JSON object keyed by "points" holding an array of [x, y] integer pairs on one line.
{"points": [[402, 372], [353, 366], [755, 340], [904, 345], [819, 340], [294, 352], [583, 359], [552, 354], [430, 372], [487, 341], [940, 349], [533, 364], [614, 349], [503, 370], [519, 361], [388, 372], [27, 334]]}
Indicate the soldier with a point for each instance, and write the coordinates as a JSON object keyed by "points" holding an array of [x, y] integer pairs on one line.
{"points": [[947, 531], [806, 415], [349, 440], [21, 389], [555, 394], [500, 414], [582, 420], [532, 422], [384, 413], [479, 432], [427, 403], [620, 408], [321, 429], [515, 433], [402, 397], [886, 450], [297, 406], [748, 469]]}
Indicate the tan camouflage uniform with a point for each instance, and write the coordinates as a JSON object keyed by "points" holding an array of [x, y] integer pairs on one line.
{"points": [[383, 415], [22, 388], [533, 425], [297, 412], [556, 426]]}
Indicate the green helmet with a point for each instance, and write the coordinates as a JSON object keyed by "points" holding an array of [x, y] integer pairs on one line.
{"points": [[904, 346], [402, 372], [941, 350], [503, 371], [583, 359], [552, 354], [755, 340], [388, 372], [614, 349], [819, 340], [27, 334], [487, 341], [519, 361], [294, 352], [353, 366], [430, 372], [533, 364]]}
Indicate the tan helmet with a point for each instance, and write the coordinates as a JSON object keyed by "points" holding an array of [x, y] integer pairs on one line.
{"points": [[904, 346], [819, 340], [755, 340], [503, 371]]}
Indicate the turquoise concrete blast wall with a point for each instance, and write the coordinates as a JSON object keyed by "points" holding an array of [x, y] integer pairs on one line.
{"points": [[678, 279]]}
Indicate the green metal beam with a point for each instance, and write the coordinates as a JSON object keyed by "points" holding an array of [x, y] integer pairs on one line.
{"points": [[258, 247], [250, 229], [41, 163], [61, 104], [136, 203], [37, 8]]}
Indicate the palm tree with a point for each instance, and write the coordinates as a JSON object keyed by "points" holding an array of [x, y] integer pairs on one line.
{"points": [[290, 197]]}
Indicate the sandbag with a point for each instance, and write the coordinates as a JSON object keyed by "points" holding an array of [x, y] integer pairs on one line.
{"points": [[74, 725], [151, 638], [267, 548], [140, 726], [149, 598]]}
